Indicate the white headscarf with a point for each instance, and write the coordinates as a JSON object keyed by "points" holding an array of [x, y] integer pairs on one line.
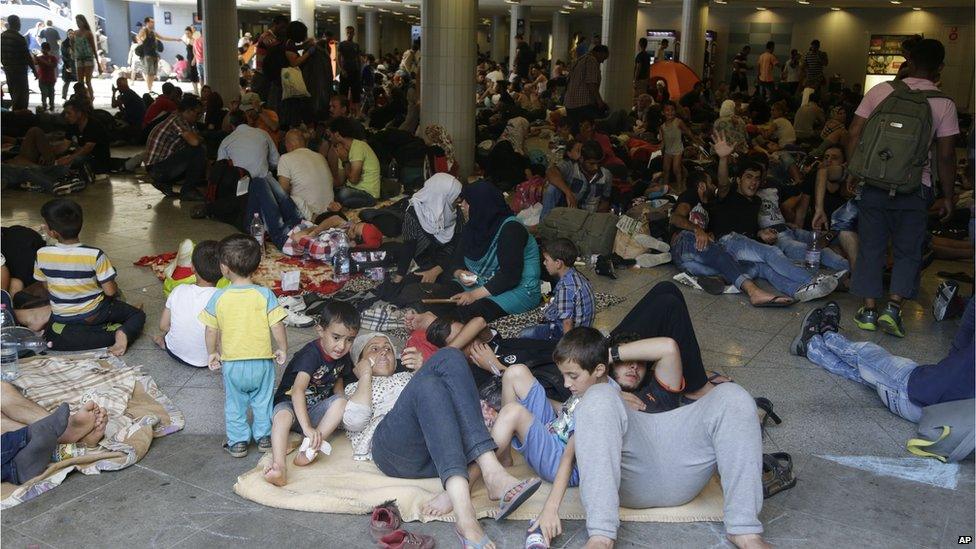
{"points": [[434, 205], [727, 109]]}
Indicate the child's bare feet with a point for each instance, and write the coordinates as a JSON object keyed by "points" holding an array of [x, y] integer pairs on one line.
{"points": [[160, 341], [748, 541], [275, 474], [439, 506], [98, 432], [302, 460], [79, 424], [121, 344]]}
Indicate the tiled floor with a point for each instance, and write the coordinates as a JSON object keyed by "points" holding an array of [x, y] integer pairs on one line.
{"points": [[181, 494]]}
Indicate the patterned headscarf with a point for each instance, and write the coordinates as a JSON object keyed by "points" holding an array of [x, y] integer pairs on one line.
{"points": [[515, 132], [436, 135]]}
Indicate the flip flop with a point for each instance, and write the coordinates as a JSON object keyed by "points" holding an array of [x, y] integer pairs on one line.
{"points": [[712, 285], [712, 376], [468, 544], [522, 492], [776, 302], [777, 473]]}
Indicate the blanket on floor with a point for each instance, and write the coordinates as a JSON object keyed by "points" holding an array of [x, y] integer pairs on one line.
{"points": [[337, 484], [138, 413]]}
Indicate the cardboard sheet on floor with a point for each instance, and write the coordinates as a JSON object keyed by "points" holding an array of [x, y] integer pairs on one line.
{"points": [[138, 413], [337, 484]]}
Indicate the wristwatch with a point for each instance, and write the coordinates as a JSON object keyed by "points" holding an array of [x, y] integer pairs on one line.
{"points": [[614, 354]]}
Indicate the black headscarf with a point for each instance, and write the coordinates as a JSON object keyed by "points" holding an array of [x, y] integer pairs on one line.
{"points": [[488, 210]]}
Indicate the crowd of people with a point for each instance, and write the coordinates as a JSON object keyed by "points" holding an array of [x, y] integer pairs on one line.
{"points": [[749, 185]]}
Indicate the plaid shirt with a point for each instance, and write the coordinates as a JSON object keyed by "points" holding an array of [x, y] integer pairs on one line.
{"points": [[315, 247], [573, 299], [166, 139], [585, 71]]}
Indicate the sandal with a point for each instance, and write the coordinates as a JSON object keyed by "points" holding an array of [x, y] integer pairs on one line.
{"points": [[516, 496], [777, 473], [776, 302], [712, 376], [766, 405], [468, 544], [713, 285]]}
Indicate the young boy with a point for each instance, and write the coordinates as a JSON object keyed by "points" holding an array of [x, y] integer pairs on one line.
{"points": [[309, 398], [572, 302], [183, 336], [81, 280], [47, 77], [241, 317]]}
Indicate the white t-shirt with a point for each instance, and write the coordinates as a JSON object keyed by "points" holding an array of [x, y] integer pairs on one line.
{"points": [[311, 181], [187, 335], [770, 213], [495, 75], [784, 133]]}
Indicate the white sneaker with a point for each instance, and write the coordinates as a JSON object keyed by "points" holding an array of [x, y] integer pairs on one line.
{"points": [[651, 243], [821, 286], [646, 261], [298, 320], [292, 303]]}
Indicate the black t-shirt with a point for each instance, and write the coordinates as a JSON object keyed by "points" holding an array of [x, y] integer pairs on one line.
{"points": [[698, 214], [656, 398], [643, 62], [324, 371], [134, 107], [534, 353], [832, 199], [524, 56], [94, 132], [735, 213], [20, 245], [349, 52]]}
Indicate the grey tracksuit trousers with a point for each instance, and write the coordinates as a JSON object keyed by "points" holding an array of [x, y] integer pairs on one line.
{"points": [[642, 460]]}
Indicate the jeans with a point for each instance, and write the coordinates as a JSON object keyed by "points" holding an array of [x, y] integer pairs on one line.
{"points": [[435, 428], [47, 94], [248, 383], [44, 177], [770, 261], [200, 72], [18, 88], [188, 163], [550, 331], [277, 210], [11, 444], [711, 261], [901, 220], [795, 242], [845, 217], [354, 198], [109, 311], [552, 197], [867, 363]]}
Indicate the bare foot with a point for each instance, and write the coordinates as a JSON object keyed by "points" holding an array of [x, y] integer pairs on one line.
{"points": [[418, 321], [98, 432], [160, 341], [505, 458], [598, 542], [473, 533], [748, 541], [760, 296], [79, 424], [275, 474], [301, 460], [498, 484], [438, 506], [121, 344]]}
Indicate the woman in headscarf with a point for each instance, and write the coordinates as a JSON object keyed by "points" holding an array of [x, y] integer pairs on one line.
{"points": [[506, 163], [731, 126], [428, 424], [436, 136], [431, 229]]}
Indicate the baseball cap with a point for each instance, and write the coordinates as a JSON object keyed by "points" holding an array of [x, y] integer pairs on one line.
{"points": [[250, 101], [372, 237]]}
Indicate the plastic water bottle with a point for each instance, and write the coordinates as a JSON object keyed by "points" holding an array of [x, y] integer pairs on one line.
{"points": [[257, 230], [812, 259], [340, 259], [8, 345]]}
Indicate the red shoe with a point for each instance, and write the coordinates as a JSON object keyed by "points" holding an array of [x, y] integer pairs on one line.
{"points": [[401, 539], [385, 520]]}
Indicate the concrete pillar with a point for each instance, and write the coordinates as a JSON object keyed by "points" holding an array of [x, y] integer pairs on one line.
{"points": [[372, 34], [220, 34], [619, 29], [347, 18], [518, 12], [81, 7], [304, 11], [694, 19], [499, 38], [560, 37], [117, 31], [448, 39]]}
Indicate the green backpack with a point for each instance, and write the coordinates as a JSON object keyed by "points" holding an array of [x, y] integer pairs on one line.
{"points": [[896, 141]]}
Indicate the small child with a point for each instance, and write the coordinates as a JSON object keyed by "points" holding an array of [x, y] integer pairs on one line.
{"points": [[240, 318], [81, 279], [47, 77], [309, 399], [572, 303], [183, 336]]}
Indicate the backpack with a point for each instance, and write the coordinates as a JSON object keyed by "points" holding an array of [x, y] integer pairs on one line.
{"points": [[222, 202], [894, 146]]}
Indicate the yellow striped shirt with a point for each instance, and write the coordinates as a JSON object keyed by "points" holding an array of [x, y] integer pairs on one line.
{"points": [[74, 274]]}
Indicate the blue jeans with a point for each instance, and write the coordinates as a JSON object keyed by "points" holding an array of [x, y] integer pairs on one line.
{"points": [[354, 198], [44, 177], [711, 261], [11, 444], [277, 210], [867, 363], [795, 242], [552, 197], [435, 429], [550, 331], [248, 383], [770, 261], [845, 217]]}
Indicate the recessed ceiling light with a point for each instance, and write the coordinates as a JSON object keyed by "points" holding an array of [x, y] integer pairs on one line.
{"points": [[916, 9], [804, 2], [565, 12], [834, 9], [721, 2], [575, 1], [895, 1], [760, 8]]}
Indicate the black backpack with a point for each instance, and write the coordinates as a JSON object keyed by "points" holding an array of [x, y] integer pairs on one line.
{"points": [[222, 202]]}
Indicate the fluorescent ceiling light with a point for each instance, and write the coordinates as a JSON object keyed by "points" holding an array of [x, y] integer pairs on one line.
{"points": [[916, 9], [565, 12], [896, 2], [834, 9], [804, 2], [760, 8]]}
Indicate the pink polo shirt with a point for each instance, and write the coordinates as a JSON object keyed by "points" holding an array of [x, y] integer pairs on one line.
{"points": [[945, 121]]}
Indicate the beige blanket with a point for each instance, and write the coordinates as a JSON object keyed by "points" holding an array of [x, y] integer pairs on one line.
{"points": [[138, 412], [337, 484]]}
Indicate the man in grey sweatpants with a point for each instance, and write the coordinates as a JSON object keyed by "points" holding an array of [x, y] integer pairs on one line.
{"points": [[640, 460]]}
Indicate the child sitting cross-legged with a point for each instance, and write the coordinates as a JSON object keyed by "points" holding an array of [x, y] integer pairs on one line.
{"points": [[241, 319], [572, 302], [309, 399], [81, 280], [183, 336]]}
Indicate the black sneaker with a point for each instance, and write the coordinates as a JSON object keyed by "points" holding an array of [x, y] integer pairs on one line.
{"points": [[167, 190], [890, 320], [264, 444], [831, 317], [808, 328], [236, 449]]}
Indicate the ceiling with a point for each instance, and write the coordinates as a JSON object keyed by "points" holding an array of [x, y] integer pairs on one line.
{"points": [[545, 8]]}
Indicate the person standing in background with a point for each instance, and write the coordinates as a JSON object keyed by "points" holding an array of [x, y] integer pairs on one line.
{"points": [[660, 54], [767, 62], [740, 71], [813, 66], [68, 74], [16, 60], [52, 37], [642, 68], [198, 57]]}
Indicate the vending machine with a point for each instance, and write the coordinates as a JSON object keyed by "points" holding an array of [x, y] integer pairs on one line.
{"points": [[885, 57], [654, 38]]}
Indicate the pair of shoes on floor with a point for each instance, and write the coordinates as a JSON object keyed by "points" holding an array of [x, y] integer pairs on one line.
{"points": [[889, 319], [239, 449], [385, 527], [295, 307], [816, 322]]}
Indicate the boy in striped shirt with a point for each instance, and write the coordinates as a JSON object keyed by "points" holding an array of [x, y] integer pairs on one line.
{"points": [[81, 280]]}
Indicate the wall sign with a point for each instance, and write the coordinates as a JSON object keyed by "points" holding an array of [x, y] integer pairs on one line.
{"points": [[167, 18]]}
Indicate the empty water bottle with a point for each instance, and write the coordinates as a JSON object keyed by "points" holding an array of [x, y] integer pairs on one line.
{"points": [[340, 260], [257, 230], [812, 259], [8, 345]]}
